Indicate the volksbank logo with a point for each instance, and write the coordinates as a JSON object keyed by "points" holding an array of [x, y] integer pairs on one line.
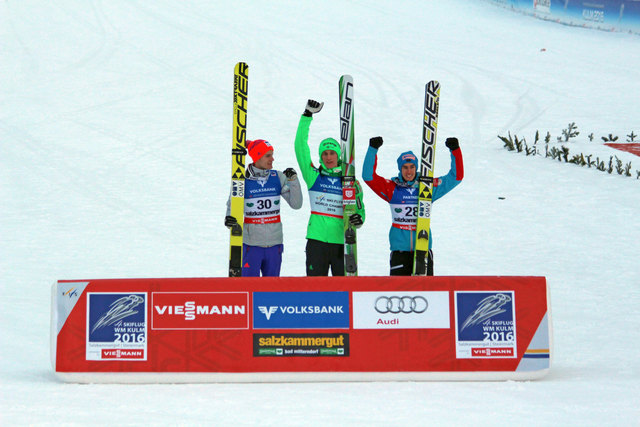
{"points": [[261, 190], [301, 310], [268, 311]]}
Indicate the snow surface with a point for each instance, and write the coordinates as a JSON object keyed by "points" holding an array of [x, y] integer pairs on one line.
{"points": [[115, 124]]}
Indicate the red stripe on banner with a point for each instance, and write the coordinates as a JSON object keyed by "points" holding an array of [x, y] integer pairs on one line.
{"points": [[629, 148]]}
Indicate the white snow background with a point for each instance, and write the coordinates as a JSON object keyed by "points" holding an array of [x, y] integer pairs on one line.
{"points": [[115, 130]]}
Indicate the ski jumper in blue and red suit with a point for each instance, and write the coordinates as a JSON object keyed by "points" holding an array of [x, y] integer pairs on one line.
{"points": [[402, 197]]}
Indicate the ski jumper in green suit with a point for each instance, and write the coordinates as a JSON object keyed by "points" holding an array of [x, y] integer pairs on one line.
{"points": [[325, 231]]}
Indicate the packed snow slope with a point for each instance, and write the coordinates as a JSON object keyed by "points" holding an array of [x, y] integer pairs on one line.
{"points": [[115, 127]]}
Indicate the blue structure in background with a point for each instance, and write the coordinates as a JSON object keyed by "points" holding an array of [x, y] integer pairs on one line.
{"points": [[607, 15]]}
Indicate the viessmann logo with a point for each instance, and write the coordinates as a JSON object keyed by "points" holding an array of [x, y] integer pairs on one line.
{"points": [[492, 352], [117, 353], [200, 310]]}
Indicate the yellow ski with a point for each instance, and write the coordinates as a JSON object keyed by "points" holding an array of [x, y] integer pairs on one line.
{"points": [[238, 153]]}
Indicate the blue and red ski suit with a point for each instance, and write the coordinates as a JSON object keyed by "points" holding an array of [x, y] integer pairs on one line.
{"points": [[402, 196]]}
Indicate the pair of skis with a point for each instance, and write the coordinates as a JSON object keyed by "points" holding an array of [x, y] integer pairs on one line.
{"points": [[239, 151]]}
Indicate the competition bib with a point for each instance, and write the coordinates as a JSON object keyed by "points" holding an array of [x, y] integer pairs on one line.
{"points": [[262, 200], [404, 208], [326, 196]]}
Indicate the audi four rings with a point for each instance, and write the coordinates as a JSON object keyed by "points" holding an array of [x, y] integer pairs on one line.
{"points": [[397, 304]]}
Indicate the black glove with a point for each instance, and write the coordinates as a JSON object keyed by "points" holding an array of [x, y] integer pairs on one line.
{"points": [[375, 142], [290, 173], [356, 220], [452, 143], [312, 107], [230, 221]]}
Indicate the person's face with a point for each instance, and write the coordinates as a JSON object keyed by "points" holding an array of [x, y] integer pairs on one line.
{"points": [[266, 161], [330, 158], [408, 171]]}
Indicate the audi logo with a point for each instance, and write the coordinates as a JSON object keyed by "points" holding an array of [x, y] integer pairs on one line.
{"points": [[397, 304]]}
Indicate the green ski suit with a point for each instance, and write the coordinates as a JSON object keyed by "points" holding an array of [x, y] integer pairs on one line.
{"points": [[326, 223]]}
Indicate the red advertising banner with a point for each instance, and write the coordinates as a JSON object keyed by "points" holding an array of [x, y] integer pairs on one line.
{"points": [[301, 329]]}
